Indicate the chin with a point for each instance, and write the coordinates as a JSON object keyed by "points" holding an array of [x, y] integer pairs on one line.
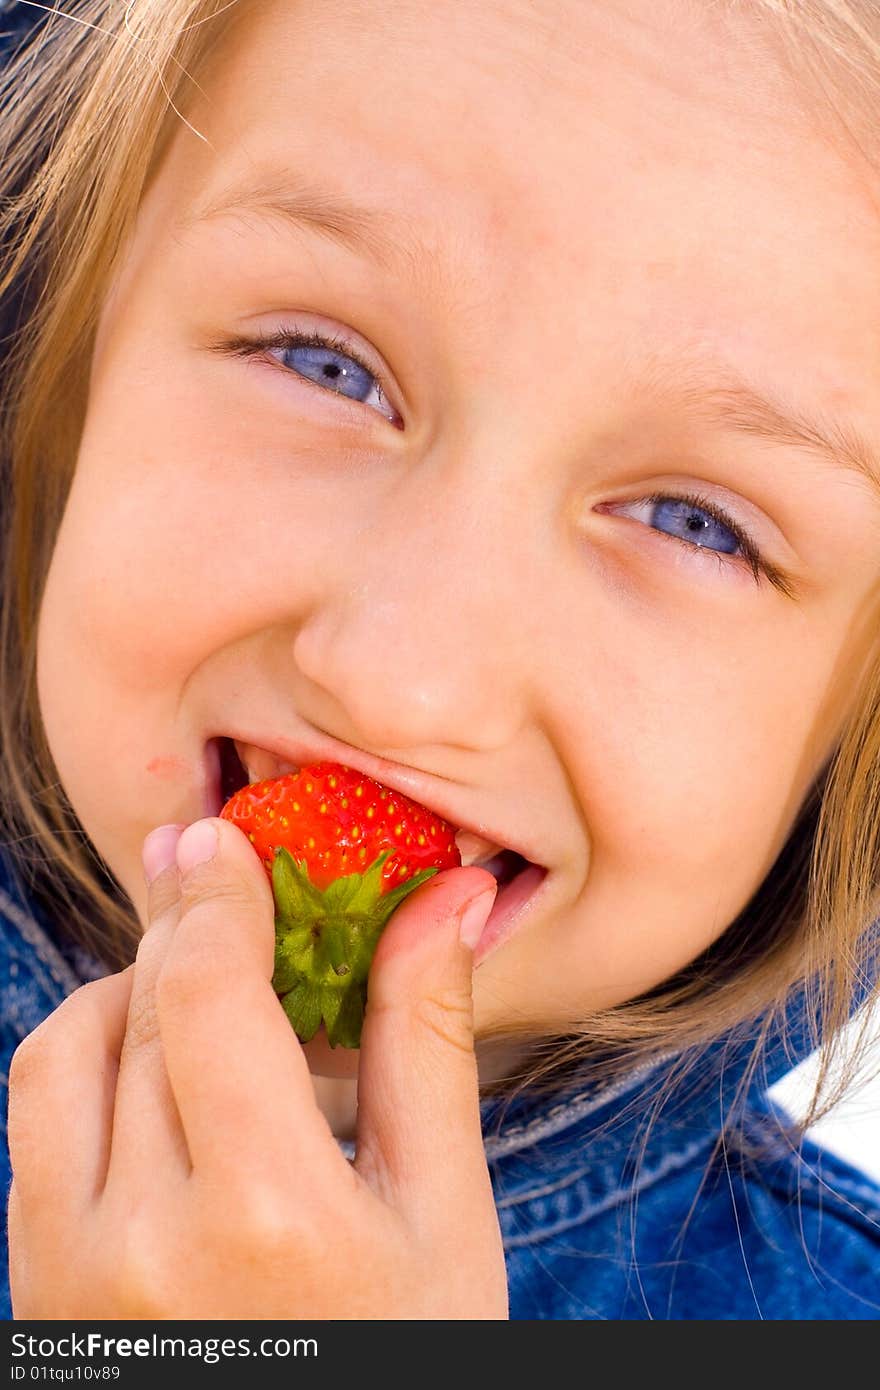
{"points": [[324, 1060]]}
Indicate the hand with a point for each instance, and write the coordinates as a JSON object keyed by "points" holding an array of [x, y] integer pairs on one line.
{"points": [[170, 1160]]}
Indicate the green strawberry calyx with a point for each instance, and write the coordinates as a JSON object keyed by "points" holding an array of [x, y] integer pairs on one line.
{"points": [[325, 940]]}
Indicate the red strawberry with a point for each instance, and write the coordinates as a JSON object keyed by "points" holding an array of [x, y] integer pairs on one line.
{"points": [[342, 852]]}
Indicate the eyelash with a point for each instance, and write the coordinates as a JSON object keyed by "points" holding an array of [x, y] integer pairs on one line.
{"points": [[287, 338], [750, 552]]}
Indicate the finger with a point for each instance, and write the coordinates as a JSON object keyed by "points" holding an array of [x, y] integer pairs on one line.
{"points": [[62, 1084], [148, 1137], [236, 1066], [417, 1065]]}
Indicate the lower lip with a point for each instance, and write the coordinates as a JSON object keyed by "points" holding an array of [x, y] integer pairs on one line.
{"points": [[513, 902], [512, 905]]}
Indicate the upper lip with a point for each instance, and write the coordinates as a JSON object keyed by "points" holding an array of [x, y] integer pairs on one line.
{"points": [[428, 790]]}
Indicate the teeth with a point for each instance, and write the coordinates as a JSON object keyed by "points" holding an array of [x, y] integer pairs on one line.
{"points": [[261, 764], [474, 849]]}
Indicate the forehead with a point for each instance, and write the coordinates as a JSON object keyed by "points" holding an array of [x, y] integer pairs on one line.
{"points": [[657, 165]]}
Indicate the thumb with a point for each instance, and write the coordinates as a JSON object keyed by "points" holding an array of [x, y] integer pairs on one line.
{"points": [[418, 1099]]}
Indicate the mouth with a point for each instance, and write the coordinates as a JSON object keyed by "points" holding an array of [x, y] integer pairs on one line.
{"points": [[522, 884]]}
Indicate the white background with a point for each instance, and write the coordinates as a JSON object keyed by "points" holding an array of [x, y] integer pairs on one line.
{"points": [[852, 1130]]}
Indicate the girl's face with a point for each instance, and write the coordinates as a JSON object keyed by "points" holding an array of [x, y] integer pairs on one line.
{"points": [[560, 260]]}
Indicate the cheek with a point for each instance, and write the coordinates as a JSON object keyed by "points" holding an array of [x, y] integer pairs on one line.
{"points": [[690, 765], [170, 552], [171, 545], [701, 769]]}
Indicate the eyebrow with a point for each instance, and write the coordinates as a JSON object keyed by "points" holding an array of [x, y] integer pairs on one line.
{"points": [[729, 403], [369, 231]]}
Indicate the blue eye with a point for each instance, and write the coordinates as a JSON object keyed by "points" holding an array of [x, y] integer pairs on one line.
{"points": [[327, 362], [696, 522], [681, 518], [329, 367]]}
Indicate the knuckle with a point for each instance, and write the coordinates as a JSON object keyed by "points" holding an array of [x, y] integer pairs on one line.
{"points": [[139, 1275], [92, 997], [228, 894], [150, 949], [447, 1015], [211, 945], [28, 1062], [52, 1039], [142, 1025], [182, 983], [268, 1222], [163, 898]]}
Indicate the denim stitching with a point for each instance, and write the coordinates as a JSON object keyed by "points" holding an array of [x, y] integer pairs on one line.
{"points": [[546, 1191], [567, 1112], [670, 1164], [559, 1117]]}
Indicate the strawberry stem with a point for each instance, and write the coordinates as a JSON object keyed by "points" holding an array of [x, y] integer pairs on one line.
{"points": [[325, 941]]}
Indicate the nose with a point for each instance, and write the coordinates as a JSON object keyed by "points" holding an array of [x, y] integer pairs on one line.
{"points": [[421, 640]]}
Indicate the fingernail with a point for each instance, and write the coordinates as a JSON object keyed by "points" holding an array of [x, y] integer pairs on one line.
{"points": [[197, 845], [158, 850], [473, 919]]}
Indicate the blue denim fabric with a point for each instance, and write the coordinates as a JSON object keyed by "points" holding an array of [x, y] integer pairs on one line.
{"points": [[614, 1201]]}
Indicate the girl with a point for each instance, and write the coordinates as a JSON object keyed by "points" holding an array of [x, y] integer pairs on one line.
{"points": [[485, 398]]}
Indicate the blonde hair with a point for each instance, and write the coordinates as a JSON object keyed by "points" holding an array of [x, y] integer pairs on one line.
{"points": [[88, 108]]}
